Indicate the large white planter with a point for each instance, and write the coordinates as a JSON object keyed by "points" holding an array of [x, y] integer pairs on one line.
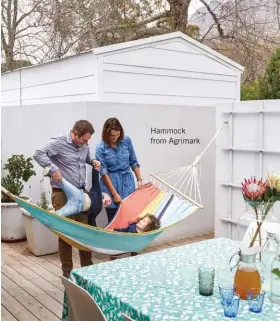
{"points": [[12, 228], [40, 239]]}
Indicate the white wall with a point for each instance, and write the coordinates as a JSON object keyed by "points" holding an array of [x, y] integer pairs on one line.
{"points": [[25, 128], [10, 88], [170, 72], [249, 146], [69, 79]]}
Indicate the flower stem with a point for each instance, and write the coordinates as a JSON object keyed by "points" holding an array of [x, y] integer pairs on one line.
{"points": [[259, 224], [256, 234], [258, 230]]}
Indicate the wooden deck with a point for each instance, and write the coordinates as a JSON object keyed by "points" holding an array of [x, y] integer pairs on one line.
{"points": [[31, 287]]}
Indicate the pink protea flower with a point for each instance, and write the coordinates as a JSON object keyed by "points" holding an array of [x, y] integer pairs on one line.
{"points": [[252, 188]]}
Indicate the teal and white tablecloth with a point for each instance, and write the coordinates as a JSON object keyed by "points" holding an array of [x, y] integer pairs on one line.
{"points": [[129, 286]]}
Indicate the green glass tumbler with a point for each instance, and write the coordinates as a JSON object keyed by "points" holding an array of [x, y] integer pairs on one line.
{"points": [[206, 277]]}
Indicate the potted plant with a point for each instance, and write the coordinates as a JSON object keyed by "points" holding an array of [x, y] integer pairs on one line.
{"points": [[18, 170], [40, 239]]}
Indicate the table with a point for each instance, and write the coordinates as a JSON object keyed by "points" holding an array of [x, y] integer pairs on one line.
{"points": [[127, 286]]}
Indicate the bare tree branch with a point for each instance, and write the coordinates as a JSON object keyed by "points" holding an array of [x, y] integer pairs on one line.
{"points": [[27, 13], [134, 25], [220, 30]]}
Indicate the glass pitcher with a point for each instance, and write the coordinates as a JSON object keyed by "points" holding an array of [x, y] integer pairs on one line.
{"points": [[275, 277], [268, 255], [247, 275]]}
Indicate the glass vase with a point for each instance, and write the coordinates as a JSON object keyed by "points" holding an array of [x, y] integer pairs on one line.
{"points": [[253, 227]]}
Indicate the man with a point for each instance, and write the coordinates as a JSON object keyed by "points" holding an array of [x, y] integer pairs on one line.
{"points": [[66, 156]]}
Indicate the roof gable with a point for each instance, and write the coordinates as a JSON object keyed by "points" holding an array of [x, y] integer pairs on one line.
{"points": [[186, 44]]}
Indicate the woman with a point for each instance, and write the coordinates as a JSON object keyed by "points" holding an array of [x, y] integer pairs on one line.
{"points": [[117, 156]]}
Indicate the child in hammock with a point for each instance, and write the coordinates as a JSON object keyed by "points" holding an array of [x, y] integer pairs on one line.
{"points": [[79, 201], [146, 223]]}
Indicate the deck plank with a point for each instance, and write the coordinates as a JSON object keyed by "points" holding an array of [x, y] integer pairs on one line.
{"points": [[6, 315], [31, 287], [30, 303], [15, 308], [40, 270], [34, 287]]}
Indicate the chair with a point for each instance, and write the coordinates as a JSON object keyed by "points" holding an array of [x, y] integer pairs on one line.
{"points": [[81, 305], [127, 318]]}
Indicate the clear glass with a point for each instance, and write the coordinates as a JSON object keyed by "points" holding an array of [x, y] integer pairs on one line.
{"points": [[275, 278], [206, 277], [224, 275], [255, 300], [250, 231], [253, 226], [227, 292], [231, 307], [187, 276], [268, 255]]}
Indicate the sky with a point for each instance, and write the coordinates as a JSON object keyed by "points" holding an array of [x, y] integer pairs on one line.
{"points": [[195, 4]]}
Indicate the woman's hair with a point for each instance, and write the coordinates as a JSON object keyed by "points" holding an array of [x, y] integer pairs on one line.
{"points": [[82, 127], [111, 124], [153, 224]]}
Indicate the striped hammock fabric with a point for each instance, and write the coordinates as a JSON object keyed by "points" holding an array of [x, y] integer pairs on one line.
{"points": [[168, 208]]}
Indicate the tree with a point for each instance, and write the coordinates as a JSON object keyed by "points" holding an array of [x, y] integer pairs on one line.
{"points": [[22, 32], [250, 91], [246, 31], [79, 25], [270, 83], [266, 87], [15, 65]]}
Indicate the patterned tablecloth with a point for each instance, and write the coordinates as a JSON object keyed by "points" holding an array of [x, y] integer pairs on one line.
{"points": [[128, 285]]}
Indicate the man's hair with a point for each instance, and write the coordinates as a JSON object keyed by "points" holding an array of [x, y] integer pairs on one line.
{"points": [[82, 127], [153, 224], [111, 124]]}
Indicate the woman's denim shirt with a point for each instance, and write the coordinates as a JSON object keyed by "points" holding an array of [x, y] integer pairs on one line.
{"points": [[117, 163]]}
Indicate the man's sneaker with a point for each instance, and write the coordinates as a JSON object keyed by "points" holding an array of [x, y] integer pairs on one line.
{"points": [[47, 172]]}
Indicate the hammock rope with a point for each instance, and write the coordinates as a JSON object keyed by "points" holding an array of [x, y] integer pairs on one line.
{"points": [[185, 181]]}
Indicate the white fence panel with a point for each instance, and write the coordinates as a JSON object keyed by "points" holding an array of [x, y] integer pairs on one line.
{"points": [[250, 146]]}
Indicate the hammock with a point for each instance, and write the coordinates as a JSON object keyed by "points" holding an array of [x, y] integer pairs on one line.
{"points": [[171, 196]]}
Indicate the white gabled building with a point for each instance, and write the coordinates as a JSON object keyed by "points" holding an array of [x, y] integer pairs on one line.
{"points": [[167, 69]]}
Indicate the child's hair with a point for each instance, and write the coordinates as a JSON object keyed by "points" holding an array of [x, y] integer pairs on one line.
{"points": [[153, 224]]}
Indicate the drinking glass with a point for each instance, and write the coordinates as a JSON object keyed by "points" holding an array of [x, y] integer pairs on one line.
{"points": [[255, 300], [231, 306], [224, 276], [187, 276], [206, 276], [227, 292]]}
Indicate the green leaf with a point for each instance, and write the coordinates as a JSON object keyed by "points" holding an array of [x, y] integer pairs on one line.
{"points": [[19, 170], [276, 272], [268, 193]]}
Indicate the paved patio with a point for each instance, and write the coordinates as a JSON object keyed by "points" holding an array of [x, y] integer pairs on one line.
{"points": [[31, 287]]}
